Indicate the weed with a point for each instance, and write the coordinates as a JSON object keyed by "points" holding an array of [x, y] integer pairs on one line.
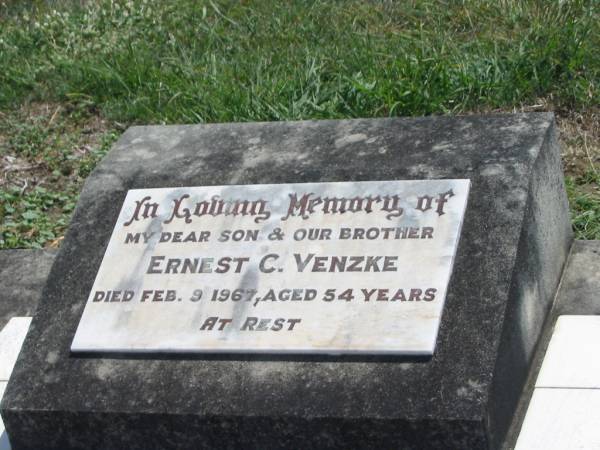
{"points": [[32, 219], [45, 154]]}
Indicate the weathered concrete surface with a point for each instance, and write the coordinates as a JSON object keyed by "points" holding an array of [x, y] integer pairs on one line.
{"points": [[578, 294], [515, 239], [23, 274]]}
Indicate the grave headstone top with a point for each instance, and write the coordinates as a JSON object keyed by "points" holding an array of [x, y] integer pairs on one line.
{"points": [[335, 268]]}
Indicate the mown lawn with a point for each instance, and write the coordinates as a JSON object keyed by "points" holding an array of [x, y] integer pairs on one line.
{"points": [[74, 74]]}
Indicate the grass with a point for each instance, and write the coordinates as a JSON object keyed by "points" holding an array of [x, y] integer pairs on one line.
{"points": [[191, 61]]}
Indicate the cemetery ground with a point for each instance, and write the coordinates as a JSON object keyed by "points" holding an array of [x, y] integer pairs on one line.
{"points": [[74, 76]]}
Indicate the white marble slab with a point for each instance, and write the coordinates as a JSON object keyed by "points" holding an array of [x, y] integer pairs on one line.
{"points": [[11, 339], [562, 419], [572, 359], [4, 444], [300, 278]]}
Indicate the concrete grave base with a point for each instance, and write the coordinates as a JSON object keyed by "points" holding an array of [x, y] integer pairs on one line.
{"points": [[23, 274], [578, 295]]}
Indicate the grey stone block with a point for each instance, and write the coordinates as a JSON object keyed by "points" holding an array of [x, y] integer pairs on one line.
{"points": [[515, 239]]}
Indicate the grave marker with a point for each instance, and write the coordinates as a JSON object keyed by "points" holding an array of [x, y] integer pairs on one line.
{"points": [[513, 243]]}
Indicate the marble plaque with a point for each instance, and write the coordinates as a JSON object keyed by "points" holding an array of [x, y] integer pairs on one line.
{"points": [[333, 268]]}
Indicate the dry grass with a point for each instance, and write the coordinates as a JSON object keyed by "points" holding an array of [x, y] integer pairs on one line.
{"points": [[46, 152], [43, 144], [580, 141]]}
